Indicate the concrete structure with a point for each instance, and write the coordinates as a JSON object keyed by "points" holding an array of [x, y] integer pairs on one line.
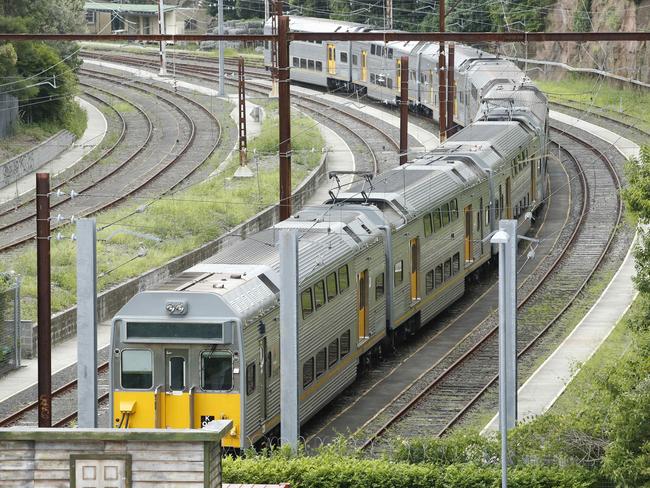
{"points": [[125, 458], [117, 18]]}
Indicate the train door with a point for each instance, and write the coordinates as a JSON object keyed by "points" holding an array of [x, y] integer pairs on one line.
{"points": [[508, 198], [479, 223], [533, 178], [431, 90], [415, 263], [398, 65], [468, 234], [331, 59], [362, 280], [177, 408], [264, 367], [364, 65]]}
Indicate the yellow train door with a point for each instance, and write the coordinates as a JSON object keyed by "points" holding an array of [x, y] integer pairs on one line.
{"points": [[398, 65], [362, 280], [415, 258], [177, 408], [508, 198], [364, 65], [331, 59], [468, 233]]}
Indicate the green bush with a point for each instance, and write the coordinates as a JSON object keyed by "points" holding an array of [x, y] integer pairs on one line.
{"points": [[330, 470]]}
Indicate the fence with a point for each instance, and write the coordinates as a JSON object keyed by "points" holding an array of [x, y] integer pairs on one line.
{"points": [[8, 113], [10, 328]]}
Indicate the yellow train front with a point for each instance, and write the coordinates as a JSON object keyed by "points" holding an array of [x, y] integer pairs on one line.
{"points": [[175, 362]]}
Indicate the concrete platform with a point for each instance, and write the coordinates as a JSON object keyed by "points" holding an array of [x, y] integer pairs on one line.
{"points": [[92, 136], [549, 381]]}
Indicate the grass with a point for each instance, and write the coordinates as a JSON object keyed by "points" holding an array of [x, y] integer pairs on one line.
{"points": [[123, 107], [168, 227], [581, 90]]}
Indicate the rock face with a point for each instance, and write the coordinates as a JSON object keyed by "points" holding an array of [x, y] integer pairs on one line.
{"points": [[629, 59]]}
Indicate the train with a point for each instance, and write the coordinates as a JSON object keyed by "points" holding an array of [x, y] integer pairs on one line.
{"points": [[379, 259]]}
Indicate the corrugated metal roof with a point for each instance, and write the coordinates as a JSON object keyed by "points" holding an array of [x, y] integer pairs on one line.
{"points": [[131, 8]]}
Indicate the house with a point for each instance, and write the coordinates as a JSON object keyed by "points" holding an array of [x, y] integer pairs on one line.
{"points": [[124, 18]]}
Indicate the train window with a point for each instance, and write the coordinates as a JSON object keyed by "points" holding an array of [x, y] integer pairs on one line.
{"points": [[344, 279], [176, 373], [428, 225], [372, 78], [333, 353], [429, 282], [453, 205], [303, 63], [355, 59], [307, 372], [390, 53], [216, 371], [474, 93], [343, 57], [137, 369], [250, 378], [331, 285], [487, 216], [445, 214], [345, 343], [399, 273], [310, 64], [379, 286], [319, 294], [319, 66], [296, 62], [456, 263], [447, 269], [321, 362], [307, 303], [372, 49], [269, 364], [438, 277], [437, 221]]}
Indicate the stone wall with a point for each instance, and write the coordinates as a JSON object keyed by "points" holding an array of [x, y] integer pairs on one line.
{"points": [[93, 458], [64, 324], [29, 161]]}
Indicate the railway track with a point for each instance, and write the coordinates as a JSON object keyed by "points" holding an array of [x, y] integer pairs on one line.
{"points": [[143, 172], [442, 395]]}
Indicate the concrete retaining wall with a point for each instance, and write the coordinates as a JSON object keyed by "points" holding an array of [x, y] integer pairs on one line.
{"points": [[64, 324], [29, 161]]}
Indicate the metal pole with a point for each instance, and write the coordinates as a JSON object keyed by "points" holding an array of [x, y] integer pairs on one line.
{"points": [[266, 10], [442, 94], [275, 18], [284, 114], [502, 366], [289, 398], [222, 82], [389, 14], [44, 299], [17, 321], [242, 114], [451, 90], [510, 226], [163, 44], [87, 323], [404, 110]]}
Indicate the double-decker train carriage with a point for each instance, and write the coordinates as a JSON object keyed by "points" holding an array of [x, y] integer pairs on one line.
{"points": [[378, 259]]}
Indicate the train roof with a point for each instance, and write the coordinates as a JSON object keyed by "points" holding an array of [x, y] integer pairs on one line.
{"points": [[509, 99], [313, 24]]}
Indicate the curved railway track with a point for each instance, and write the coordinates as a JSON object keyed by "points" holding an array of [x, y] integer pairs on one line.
{"points": [[439, 398], [153, 177]]}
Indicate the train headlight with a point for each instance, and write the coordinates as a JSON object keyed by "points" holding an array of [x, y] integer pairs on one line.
{"points": [[173, 307]]}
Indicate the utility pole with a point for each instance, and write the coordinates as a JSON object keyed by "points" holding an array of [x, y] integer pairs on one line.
{"points": [[222, 76], [163, 44], [87, 323], [289, 398], [284, 115], [389, 14], [44, 299], [442, 92], [404, 110], [451, 90], [506, 238], [242, 171]]}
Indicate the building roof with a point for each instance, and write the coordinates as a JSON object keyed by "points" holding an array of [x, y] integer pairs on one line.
{"points": [[129, 8]]}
